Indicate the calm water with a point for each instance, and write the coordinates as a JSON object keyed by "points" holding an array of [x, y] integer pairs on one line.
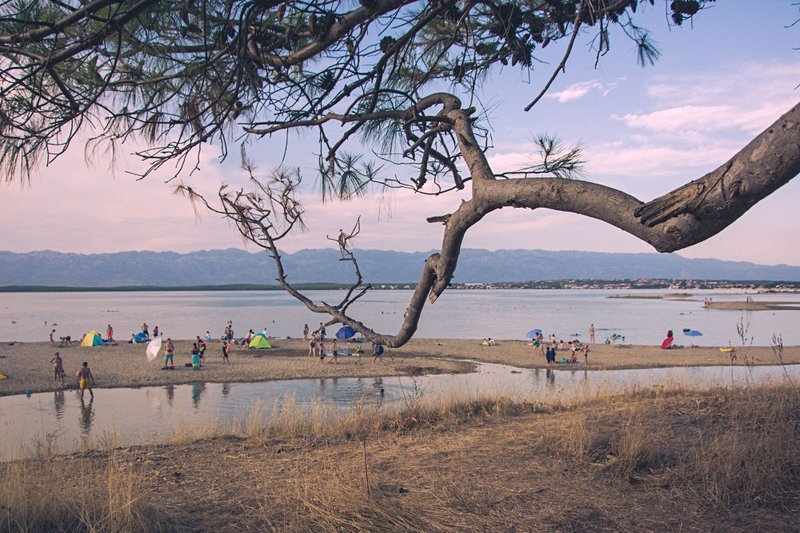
{"points": [[150, 414], [502, 314]]}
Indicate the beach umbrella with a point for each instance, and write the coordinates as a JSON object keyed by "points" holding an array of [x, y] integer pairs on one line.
{"points": [[692, 333], [153, 347], [532, 333], [345, 332]]}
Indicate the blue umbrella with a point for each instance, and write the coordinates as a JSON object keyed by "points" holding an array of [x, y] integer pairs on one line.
{"points": [[692, 333], [345, 332], [532, 333]]}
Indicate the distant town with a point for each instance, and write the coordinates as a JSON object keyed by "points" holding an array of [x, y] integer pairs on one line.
{"points": [[618, 284], [622, 284]]}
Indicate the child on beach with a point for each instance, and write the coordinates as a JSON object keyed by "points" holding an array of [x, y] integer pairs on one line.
{"points": [[58, 368], [226, 350]]}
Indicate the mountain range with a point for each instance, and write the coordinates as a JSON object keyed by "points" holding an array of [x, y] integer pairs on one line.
{"points": [[233, 266]]}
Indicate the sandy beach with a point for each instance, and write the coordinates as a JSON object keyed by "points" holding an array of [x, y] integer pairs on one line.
{"points": [[28, 367]]}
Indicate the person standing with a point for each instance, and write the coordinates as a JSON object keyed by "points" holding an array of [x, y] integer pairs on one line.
{"points": [[58, 368], [226, 350], [334, 356], [145, 329], [109, 333], [550, 355], [169, 355], [377, 350], [52, 338], [305, 332], [312, 347], [201, 346], [591, 332], [85, 380], [195, 357]]}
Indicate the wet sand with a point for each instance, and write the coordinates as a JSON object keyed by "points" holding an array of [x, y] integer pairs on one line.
{"points": [[125, 365]]}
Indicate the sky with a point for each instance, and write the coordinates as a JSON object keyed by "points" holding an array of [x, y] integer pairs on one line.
{"points": [[720, 81]]}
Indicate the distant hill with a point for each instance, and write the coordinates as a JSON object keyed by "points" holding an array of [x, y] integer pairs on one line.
{"points": [[224, 267]]}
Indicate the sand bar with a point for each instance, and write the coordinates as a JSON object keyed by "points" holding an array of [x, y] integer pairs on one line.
{"points": [[125, 365]]}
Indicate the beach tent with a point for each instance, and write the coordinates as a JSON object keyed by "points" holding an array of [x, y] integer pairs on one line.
{"points": [[92, 339], [259, 342], [140, 337], [345, 332]]}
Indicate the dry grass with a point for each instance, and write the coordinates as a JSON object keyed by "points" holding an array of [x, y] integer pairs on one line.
{"points": [[661, 459], [77, 495]]}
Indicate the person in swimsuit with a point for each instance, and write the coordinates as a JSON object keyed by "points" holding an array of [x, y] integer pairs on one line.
{"points": [[85, 379], [58, 367], [226, 350], [169, 355]]}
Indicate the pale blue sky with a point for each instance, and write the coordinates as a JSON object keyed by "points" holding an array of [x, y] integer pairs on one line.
{"points": [[644, 130]]}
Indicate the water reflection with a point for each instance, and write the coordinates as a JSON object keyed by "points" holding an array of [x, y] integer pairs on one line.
{"points": [[170, 391], [58, 402], [197, 391], [87, 416], [144, 415]]}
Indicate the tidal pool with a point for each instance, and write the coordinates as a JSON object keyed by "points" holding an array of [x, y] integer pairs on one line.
{"points": [[59, 421]]}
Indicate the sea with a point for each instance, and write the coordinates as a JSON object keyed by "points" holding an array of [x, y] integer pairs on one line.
{"points": [[640, 316]]}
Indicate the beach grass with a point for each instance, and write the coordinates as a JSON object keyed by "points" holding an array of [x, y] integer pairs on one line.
{"points": [[726, 455]]}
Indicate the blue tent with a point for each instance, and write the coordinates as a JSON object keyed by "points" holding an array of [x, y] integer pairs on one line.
{"points": [[692, 333], [141, 337], [345, 332]]}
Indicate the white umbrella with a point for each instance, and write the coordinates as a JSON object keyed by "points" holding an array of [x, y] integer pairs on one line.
{"points": [[153, 347]]}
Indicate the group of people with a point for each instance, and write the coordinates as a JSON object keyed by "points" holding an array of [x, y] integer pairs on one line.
{"points": [[198, 353], [317, 347], [550, 349], [84, 375]]}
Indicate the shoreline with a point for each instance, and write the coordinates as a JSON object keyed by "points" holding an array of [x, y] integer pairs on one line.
{"points": [[28, 367]]}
